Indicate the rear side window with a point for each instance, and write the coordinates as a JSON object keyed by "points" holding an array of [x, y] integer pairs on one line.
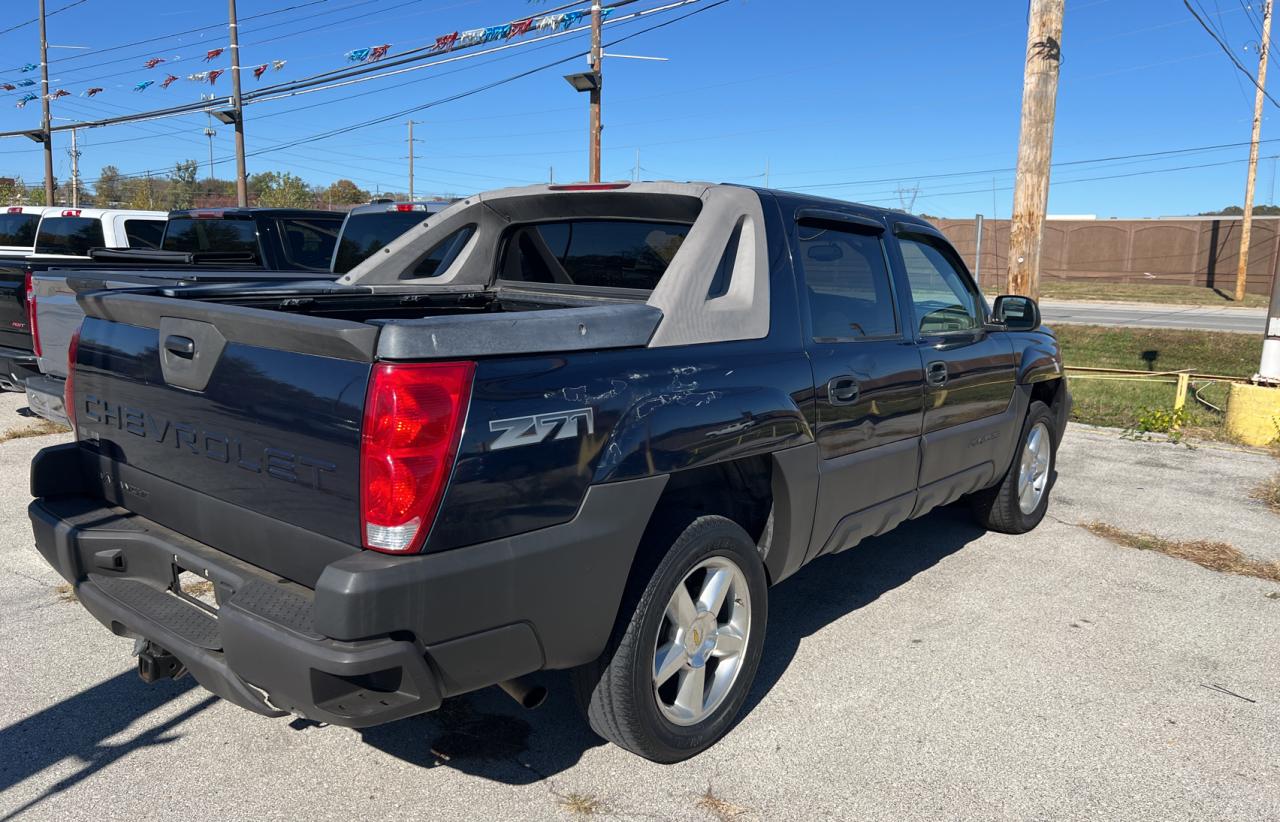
{"points": [[848, 283], [194, 236], [144, 233], [69, 235], [309, 242], [18, 229], [629, 254], [365, 234]]}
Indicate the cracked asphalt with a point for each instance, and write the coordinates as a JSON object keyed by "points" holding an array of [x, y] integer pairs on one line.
{"points": [[935, 673]]}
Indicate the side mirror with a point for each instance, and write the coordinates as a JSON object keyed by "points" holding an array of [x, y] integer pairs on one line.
{"points": [[1016, 313]]}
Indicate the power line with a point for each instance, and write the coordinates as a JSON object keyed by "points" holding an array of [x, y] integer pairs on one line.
{"points": [[35, 20], [1227, 51]]}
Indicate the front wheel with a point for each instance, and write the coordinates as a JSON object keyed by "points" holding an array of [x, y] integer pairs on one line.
{"points": [[677, 672], [1020, 501]]}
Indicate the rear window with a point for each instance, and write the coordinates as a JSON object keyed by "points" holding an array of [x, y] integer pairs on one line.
{"points": [[308, 241], [69, 235], [144, 233], [629, 254], [19, 229], [211, 235], [365, 234]]}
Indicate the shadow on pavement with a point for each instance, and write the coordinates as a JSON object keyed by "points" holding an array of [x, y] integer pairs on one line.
{"points": [[78, 728], [485, 734]]}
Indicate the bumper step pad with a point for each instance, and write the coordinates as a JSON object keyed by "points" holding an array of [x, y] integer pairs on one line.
{"points": [[184, 619]]}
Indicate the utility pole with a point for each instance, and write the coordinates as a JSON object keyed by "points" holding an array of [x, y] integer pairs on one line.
{"points": [[635, 175], [597, 60], [1246, 226], [44, 108], [1035, 145], [242, 182], [75, 169], [411, 141], [766, 172]]}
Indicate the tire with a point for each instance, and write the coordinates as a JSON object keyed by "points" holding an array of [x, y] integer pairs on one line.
{"points": [[618, 693], [1004, 507]]}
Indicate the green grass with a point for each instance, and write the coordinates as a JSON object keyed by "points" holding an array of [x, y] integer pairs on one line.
{"points": [[1123, 404], [1145, 293]]}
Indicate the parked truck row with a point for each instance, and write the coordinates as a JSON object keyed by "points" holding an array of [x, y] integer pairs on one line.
{"points": [[579, 427]]}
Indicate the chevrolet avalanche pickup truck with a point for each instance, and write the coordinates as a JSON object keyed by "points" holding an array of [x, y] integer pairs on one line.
{"points": [[560, 427]]}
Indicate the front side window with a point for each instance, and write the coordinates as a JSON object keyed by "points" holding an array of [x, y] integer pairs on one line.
{"points": [[848, 283], [942, 299], [69, 235], [628, 254]]}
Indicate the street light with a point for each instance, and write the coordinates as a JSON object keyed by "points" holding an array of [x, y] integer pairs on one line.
{"points": [[584, 81]]}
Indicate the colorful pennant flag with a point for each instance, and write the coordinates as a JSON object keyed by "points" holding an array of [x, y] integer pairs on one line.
{"points": [[96, 90], [215, 74], [258, 71], [168, 81], [276, 65], [144, 85], [26, 98], [8, 86], [358, 55], [29, 67], [198, 77], [213, 54], [378, 52], [153, 62], [26, 83], [59, 93]]}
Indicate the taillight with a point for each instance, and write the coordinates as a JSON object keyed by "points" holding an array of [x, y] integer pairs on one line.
{"points": [[412, 423], [31, 313], [71, 212], [589, 187], [68, 391]]}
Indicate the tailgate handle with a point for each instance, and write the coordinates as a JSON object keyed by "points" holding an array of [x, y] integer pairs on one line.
{"points": [[182, 346]]}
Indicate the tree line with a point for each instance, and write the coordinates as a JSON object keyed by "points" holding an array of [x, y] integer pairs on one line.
{"points": [[184, 188]]}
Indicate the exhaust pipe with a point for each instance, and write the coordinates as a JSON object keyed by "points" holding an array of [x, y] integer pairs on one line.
{"points": [[529, 694]]}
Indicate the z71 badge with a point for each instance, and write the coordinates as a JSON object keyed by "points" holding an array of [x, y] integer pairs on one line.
{"points": [[538, 427]]}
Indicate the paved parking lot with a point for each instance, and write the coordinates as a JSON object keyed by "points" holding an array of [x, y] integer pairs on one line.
{"points": [[936, 673]]}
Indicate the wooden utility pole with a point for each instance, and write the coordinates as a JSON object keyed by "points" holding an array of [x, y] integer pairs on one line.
{"points": [[596, 63], [1035, 145], [45, 119], [411, 161], [242, 180], [75, 170], [1246, 226]]}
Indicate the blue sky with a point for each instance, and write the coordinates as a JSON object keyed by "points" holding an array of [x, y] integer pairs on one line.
{"points": [[850, 99]]}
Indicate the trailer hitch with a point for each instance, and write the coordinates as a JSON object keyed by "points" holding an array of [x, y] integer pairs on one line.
{"points": [[155, 663]]}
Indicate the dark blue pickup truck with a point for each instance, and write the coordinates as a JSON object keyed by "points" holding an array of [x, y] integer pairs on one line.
{"points": [[560, 427]]}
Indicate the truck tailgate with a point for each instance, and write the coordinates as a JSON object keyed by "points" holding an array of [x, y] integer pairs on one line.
{"points": [[238, 428]]}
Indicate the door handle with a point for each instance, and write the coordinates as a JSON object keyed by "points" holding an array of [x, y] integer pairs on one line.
{"points": [[182, 346], [936, 373], [842, 390]]}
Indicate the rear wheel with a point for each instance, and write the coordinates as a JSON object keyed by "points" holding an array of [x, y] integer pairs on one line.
{"points": [[678, 668], [1020, 501]]}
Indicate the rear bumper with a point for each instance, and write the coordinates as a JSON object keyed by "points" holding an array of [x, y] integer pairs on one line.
{"points": [[380, 637], [45, 397], [16, 366]]}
